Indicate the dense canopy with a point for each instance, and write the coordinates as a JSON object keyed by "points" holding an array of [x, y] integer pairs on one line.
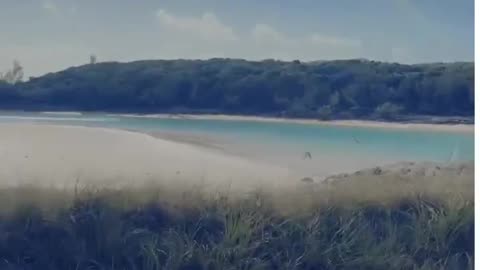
{"points": [[322, 89]]}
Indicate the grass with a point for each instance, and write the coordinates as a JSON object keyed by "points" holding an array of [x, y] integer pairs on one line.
{"points": [[370, 225]]}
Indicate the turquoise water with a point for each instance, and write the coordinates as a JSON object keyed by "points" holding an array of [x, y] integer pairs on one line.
{"points": [[349, 142]]}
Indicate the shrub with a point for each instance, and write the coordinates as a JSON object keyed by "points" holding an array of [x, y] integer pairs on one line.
{"points": [[388, 110], [325, 112], [94, 233]]}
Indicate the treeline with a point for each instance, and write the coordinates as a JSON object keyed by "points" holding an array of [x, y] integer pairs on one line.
{"points": [[324, 89]]}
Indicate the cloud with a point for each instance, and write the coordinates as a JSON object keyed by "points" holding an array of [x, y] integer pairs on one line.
{"points": [[273, 43], [205, 36], [50, 6], [334, 41], [66, 8], [264, 32], [207, 26], [201, 36]]}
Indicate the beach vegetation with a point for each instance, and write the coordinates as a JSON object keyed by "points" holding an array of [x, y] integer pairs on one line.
{"points": [[160, 228]]}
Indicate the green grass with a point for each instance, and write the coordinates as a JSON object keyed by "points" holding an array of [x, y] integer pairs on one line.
{"points": [[185, 228]]}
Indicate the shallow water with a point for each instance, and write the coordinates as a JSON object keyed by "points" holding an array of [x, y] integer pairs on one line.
{"points": [[333, 149]]}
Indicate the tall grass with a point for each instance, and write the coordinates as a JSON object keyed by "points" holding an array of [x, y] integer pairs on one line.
{"points": [[180, 228]]}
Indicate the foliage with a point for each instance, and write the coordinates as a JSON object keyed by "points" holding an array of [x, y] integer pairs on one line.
{"points": [[93, 59], [14, 75], [94, 232], [388, 110], [325, 112], [351, 88]]}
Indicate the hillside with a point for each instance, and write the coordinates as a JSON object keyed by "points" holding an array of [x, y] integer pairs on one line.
{"points": [[327, 89]]}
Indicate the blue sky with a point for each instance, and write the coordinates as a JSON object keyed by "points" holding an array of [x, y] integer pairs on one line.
{"points": [[50, 35]]}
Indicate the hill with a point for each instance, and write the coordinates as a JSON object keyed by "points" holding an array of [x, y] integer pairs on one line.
{"points": [[326, 89]]}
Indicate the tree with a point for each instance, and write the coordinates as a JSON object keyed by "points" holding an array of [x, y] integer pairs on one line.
{"points": [[93, 59], [14, 75], [341, 89], [325, 112], [388, 110]]}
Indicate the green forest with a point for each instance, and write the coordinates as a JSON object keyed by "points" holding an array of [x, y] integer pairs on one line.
{"points": [[322, 89]]}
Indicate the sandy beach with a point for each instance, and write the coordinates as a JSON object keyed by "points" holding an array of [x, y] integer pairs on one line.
{"points": [[463, 128], [71, 155]]}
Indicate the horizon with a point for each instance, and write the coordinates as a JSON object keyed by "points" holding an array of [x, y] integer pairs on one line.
{"points": [[51, 35]]}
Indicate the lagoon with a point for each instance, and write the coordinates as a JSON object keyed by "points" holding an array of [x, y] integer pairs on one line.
{"points": [[334, 149]]}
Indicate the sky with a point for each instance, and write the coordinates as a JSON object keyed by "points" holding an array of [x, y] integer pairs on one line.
{"points": [[51, 35]]}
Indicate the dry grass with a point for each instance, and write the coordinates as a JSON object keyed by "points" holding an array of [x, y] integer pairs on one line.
{"points": [[369, 223], [302, 197]]}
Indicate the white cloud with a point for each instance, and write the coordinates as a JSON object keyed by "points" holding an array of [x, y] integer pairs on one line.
{"points": [[65, 8], [50, 6], [334, 41], [200, 36], [206, 35], [207, 26], [264, 32], [273, 43]]}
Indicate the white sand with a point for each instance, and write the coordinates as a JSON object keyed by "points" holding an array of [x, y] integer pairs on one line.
{"points": [[66, 155], [64, 113]]}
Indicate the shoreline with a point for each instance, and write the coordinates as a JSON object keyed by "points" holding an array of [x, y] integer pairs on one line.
{"points": [[461, 128], [411, 124], [92, 154]]}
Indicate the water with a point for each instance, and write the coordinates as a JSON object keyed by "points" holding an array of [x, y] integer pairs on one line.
{"points": [[287, 142]]}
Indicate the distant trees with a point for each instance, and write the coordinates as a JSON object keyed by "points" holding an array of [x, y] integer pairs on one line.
{"points": [[325, 112], [388, 110], [13, 75], [93, 59], [324, 90]]}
